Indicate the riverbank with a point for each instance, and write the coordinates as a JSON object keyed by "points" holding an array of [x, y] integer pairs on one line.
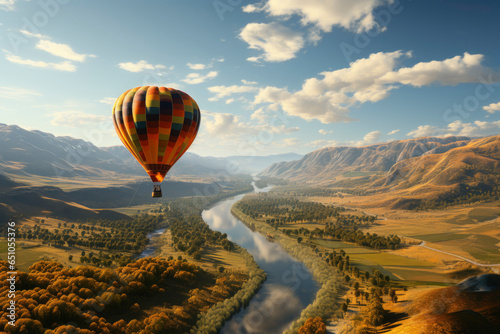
{"points": [[212, 256], [327, 302]]}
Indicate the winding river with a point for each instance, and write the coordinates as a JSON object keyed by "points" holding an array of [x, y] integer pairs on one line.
{"points": [[289, 287]]}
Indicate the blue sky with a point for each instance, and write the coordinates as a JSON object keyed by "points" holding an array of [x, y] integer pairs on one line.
{"points": [[270, 77]]}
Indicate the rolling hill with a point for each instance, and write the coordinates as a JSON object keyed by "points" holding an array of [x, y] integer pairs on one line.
{"points": [[473, 306], [326, 165]]}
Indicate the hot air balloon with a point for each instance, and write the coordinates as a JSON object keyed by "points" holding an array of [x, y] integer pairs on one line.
{"points": [[157, 125]]}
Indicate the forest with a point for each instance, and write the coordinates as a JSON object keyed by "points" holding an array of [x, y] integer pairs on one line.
{"points": [[150, 295]]}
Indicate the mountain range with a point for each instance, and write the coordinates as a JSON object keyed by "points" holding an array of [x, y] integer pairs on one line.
{"points": [[38, 153], [412, 171]]}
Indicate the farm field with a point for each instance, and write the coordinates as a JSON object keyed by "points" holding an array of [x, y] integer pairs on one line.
{"points": [[472, 231], [399, 268]]}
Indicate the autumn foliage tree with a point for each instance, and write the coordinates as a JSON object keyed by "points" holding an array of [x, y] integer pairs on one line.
{"points": [[313, 326]]}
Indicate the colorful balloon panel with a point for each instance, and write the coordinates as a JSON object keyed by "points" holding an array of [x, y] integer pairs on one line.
{"points": [[157, 125]]}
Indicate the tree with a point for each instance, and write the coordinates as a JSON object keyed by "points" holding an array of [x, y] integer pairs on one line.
{"points": [[299, 240], [313, 326], [375, 312], [344, 308], [71, 257]]}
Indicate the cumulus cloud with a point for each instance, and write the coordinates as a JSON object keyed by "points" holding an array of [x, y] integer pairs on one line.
{"points": [[197, 78], [229, 126], [357, 16], [393, 132], [370, 138], [75, 118], [62, 50], [276, 42], [66, 66], [16, 93], [458, 128], [371, 79], [225, 91], [424, 131], [140, 66], [449, 72], [475, 129], [492, 108]]}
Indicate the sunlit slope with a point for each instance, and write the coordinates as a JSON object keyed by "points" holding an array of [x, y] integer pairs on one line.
{"points": [[326, 165], [478, 161]]}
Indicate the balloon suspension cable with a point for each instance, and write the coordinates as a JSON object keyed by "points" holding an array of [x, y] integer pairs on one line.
{"points": [[156, 189]]}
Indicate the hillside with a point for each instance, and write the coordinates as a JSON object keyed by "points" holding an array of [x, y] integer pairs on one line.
{"points": [[472, 306], [35, 153], [478, 161], [328, 164]]}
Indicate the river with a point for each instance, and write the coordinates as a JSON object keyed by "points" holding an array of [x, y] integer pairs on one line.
{"points": [[289, 287]]}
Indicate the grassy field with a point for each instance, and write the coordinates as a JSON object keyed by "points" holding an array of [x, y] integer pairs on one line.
{"points": [[211, 257], [484, 214], [472, 231], [139, 209], [416, 271], [440, 237], [28, 253]]}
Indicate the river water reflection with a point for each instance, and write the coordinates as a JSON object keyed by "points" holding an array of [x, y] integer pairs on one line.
{"points": [[289, 287]]}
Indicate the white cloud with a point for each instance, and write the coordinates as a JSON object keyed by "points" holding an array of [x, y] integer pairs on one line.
{"points": [[56, 49], [140, 66], [277, 42], [233, 127], [35, 35], [475, 129], [459, 128], [229, 101], [61, 66], [16, 93], [253, 59], [371, 79], [320, 107], [108, 100], [324, 132], [196, 66], [7, 5], [260, 115], [492, 108], [200, 66], [225, 91], [249, 82], [75, 118], [61, 50], [197, 78], [393, 132], [370, 138], [449, 72], [424, 131], [356, 15]]}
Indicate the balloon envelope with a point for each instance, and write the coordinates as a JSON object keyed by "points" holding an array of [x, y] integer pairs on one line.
{"points": [[157, 125]]}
